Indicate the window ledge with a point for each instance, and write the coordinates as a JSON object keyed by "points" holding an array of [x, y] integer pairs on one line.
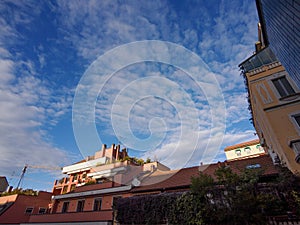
{"points": [[292, 141], [297, 159], [290, 97]]}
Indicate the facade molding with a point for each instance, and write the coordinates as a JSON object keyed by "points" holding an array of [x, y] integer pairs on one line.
{"points": [[94, 192]]}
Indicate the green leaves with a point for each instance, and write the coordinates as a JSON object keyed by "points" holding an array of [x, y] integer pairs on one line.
{"points": [[226, 198]]}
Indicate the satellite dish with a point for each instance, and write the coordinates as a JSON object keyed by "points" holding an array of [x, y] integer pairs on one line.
{"points": [[135, 182]]}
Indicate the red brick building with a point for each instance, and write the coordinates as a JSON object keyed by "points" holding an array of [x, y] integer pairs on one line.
{"points": [[180, 180], [16, 209], [92, 203]]}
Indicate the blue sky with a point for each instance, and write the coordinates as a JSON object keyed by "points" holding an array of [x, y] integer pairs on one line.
{"points": [[47, 47]]}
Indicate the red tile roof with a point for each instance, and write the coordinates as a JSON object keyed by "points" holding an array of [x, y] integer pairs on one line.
{"points": [[241, 145], [182, 179]]}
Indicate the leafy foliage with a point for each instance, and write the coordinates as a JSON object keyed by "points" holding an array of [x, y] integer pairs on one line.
{"points": [[136, 160], [229, 199], [147, 209], [20, 191]]}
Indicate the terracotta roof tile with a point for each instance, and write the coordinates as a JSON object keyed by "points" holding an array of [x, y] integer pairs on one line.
{"points": [[183, 177], [241, 145]]}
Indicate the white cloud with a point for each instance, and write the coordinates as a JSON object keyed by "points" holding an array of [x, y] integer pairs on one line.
{"points": [[94, 27], [25, 101]]}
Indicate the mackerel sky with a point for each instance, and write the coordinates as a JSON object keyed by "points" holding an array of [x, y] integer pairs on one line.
{"points": [[47, 47]]}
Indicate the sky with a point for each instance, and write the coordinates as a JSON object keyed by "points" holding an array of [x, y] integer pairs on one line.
{"points": [[160, 78]]}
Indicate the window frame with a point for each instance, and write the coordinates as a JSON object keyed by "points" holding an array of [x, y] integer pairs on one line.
{"points": [[294, 120], [116, 197], [29, 207], [247, 150], [297, 121], [43, 208], [284, 86], [238, 152], [65, 207], [272, 87], [295, 146], [99, 206], [81, 207]]}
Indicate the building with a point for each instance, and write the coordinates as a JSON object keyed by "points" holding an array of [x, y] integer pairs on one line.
{"points": [[180, 180], [88, 193], [3, 184], [92, 204], [110, 160], [280, 23], [91, 200], [274, 101], [17, 208], [244, 150]]}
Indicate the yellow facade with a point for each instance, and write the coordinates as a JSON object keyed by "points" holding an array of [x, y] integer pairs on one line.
{"points": [[275, 105]]}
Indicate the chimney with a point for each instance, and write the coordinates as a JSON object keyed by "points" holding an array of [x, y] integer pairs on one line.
{"points": [[103, 150], [259, 45], [118, 152], [9, 189]]}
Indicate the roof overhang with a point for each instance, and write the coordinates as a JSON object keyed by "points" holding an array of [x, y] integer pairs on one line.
{"points": [[75, 168], [107, 173], [93, 192]]}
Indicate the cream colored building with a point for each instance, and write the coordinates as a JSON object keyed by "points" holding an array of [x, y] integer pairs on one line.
{"points": [[244, 150], [274, 101]]}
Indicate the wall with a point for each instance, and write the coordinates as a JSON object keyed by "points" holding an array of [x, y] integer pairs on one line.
{"points": [[271, 114], [244, 152], [282, 20], [16, 212]]}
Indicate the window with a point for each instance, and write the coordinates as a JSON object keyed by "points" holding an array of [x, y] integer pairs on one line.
{"points": [[296, 147], [65, 207], [253, 166], [42, 210], [247, 150], [29, 210], [115, 199], [297, 119], [238, 152], [283, 86], [97, 204], [259, 148], [80, 206]]}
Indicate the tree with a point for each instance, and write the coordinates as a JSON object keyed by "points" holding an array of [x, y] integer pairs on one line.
{"points": [[226, 199]]}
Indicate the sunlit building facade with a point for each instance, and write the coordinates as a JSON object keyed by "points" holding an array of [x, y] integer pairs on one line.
{"points": [[274, 101], [244, 150]]}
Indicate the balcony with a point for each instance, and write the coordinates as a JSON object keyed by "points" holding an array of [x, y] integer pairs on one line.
{"points": [[90, 216], [264, 57], [78, 167]]}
